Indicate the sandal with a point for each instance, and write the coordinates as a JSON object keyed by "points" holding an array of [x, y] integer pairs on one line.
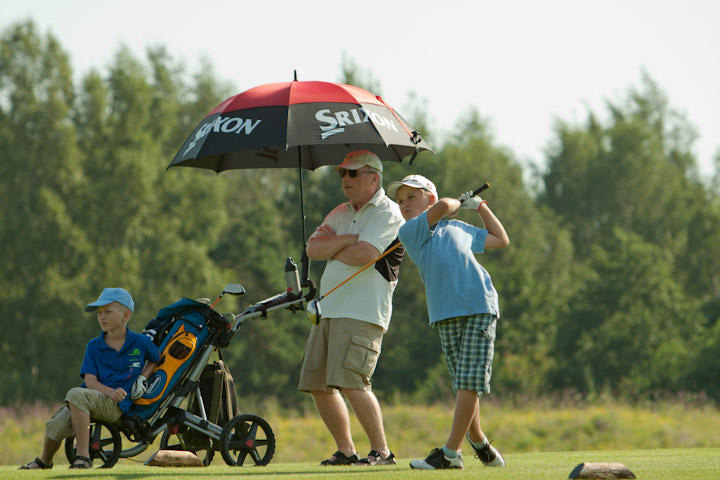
{"points": [[40, 465], [339, 458], [86, 463]]}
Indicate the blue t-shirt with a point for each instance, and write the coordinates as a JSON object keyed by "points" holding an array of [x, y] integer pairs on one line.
{"points": [[119, 369], [456, 285]]}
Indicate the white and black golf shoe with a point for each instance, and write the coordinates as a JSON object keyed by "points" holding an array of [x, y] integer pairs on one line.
{"points": [[490, 456], [437, 460]]}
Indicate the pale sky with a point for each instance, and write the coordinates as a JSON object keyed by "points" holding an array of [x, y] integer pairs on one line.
{"points": [[522, 64]]}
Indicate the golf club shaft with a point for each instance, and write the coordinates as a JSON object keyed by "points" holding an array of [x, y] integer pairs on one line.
{"points": [[215, 302], [386, 252], [482, 188]]}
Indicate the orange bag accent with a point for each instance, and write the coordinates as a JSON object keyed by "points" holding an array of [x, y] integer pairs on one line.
{"points": [[178, 350]]}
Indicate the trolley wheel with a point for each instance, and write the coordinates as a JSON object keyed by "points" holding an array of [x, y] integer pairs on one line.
{"points": [[247, 435], [105, 444], [209, 450]]}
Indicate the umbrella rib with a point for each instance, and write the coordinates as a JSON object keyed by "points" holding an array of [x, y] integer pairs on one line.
{"points": [[412, 137]]}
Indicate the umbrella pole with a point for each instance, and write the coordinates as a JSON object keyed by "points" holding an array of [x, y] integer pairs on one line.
{"points": [[305, 261]]}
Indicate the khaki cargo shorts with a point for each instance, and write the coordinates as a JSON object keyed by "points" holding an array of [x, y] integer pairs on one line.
{"points": [[340, 353], [90, 401]]}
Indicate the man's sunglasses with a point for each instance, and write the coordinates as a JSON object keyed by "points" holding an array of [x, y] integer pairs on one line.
{"points": [[351, 173]]}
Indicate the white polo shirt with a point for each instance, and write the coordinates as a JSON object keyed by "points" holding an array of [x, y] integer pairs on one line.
{"points": [[367, 297]]}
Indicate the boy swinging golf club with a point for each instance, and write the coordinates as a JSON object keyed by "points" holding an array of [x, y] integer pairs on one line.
{"points": [[462, 303]]}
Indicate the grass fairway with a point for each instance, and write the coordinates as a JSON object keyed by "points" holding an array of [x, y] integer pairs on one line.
{"points": [[675, 464]]}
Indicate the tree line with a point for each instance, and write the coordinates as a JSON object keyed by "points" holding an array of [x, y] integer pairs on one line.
{"points": [[611, 282]]}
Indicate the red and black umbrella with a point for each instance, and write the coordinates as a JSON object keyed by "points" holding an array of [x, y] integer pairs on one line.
{"points": [[292, 124], [297, 125]]}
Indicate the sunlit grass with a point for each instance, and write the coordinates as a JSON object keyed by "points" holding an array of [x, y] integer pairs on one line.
{"points": [[685, 464], [413, 430]]}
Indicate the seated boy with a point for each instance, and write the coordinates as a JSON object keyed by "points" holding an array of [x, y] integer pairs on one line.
{"points": [[462, 303], [115, 363]]}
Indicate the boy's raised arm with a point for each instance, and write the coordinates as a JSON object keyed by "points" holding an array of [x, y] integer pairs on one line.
{"points": [[497, 236], [443, 207]]}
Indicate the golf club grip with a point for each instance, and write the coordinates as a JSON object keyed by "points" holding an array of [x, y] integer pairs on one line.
{"points": [[482, 188]]}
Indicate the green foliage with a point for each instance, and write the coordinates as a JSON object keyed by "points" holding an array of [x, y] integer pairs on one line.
{"points": [[629, 314], [705, 368], [43, 249], [87, 205], [632, 173]]}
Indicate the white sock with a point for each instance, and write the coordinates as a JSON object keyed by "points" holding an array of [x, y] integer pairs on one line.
{"points": [[451, 453], [478, 444]]}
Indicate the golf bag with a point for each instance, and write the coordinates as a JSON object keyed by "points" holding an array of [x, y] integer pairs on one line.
{"points": [[219, 397], [179, 330]]}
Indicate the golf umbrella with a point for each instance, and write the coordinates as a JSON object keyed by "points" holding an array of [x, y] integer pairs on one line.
{"points": [[298, 124], [292, 124]]}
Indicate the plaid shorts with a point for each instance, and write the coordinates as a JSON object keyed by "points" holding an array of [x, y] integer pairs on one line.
{"points": [[468, 344]]}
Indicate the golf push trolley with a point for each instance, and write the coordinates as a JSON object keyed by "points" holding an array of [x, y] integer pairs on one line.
{"points": [[187, 333]]}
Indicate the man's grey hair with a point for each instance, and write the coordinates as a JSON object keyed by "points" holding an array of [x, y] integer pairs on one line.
{"points": [[375, 170]]}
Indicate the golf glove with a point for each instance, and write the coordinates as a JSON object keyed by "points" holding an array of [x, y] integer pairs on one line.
{"points": [[465, 196], [139, 387], [468, 202]]}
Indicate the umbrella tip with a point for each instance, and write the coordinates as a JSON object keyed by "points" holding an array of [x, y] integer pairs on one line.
{"points": [[294, 75]]}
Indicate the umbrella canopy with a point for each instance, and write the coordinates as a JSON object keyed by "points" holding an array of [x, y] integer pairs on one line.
{"points": [[299, 123]]}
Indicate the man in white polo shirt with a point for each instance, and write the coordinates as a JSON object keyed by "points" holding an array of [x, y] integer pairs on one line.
{"points": [[343, 349]]}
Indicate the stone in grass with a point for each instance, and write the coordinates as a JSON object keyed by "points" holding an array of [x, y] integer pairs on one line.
{"points": [[601, 470], [174, 458]]}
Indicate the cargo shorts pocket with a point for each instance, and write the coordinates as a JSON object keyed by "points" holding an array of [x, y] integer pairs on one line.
{"points": [[362, 355], [489, 332]]}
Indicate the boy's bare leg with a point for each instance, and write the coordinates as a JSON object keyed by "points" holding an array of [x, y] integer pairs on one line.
{"points": [[49, 448], [81, 426], [367, 409], [475, 431], [466, 412], [335, 414]]}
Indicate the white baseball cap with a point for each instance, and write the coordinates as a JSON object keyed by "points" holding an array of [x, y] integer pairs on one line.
{"points": [[359, 158], [414, 181]]}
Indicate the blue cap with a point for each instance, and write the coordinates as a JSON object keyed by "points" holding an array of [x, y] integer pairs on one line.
{"points": [[110, 295]]}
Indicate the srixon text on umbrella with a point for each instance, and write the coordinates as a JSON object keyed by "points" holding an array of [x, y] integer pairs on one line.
{"points": [[225, 125], [351, 117]]}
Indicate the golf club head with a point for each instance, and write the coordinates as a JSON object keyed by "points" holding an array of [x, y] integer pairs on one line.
{"points": [[234, 289], [313, 311]]}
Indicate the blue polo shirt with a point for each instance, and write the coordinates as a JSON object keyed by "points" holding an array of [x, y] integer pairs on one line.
{"points": [[456, 285], [119, 369]]}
